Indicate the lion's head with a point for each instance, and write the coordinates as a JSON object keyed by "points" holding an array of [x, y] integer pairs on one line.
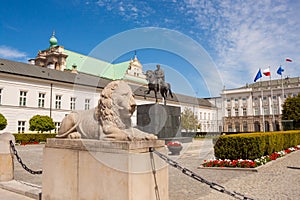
{"points": [[116, 104]]}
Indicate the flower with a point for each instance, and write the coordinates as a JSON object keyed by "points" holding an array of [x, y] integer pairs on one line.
{"points": [[248, 163], [174, 144]]}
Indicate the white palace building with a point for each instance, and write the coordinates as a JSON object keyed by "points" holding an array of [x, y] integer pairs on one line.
{"points": [[258, 106], [58, 81]]}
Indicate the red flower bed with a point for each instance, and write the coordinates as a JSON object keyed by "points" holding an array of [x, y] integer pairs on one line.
{"points": [[248, 163], [174, 144], [26, 143]]}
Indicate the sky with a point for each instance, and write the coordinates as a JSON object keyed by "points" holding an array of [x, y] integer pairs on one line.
{"points": [[203, 45]]}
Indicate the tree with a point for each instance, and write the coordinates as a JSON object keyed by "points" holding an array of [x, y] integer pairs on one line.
{"points": [[3, 122], [41, 123], [188, 120], [291, 111]]}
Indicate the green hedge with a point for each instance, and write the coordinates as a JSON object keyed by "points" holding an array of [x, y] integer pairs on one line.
{"points": [[254, 145], [33, 137]]}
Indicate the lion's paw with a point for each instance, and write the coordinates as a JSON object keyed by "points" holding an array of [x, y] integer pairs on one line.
{"points": [[74, 135], [151, 137]]}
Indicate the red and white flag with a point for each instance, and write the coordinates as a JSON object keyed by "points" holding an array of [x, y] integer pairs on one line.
{"points": [[267, 72], [288, 60]]}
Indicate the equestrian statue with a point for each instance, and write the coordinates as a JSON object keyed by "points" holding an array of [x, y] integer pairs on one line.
{"points": [[156, 83]]}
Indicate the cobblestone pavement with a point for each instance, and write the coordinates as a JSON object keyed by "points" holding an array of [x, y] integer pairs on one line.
{"points": [[274, 181]]}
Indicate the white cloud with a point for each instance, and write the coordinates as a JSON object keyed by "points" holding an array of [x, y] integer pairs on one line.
{"points": [[9, 52], [247, 35], [240, 35]]}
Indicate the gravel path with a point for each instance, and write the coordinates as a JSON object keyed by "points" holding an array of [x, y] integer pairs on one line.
{"points": [[273, 181]]}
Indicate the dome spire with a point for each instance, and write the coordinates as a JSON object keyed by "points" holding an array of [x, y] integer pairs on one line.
{"points": [[53, 40], [135, 57]]}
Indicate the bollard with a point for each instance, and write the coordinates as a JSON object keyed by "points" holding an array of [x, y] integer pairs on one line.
{"points": [[6, 157]]}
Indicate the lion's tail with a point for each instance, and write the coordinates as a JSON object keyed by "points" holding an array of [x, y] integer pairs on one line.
{"points": [[70, 130]]}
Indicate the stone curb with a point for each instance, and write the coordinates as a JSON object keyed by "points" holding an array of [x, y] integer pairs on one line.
{"points": [[26, 189], [256, 169]]}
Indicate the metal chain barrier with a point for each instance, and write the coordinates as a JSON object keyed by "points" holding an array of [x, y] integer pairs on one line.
{"points": [[13, 148], [195, 176], [154, 176]]}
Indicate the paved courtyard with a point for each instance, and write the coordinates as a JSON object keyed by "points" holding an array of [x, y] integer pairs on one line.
{"points": [[273, 181]]}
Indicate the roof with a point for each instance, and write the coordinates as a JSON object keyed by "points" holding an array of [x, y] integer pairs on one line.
{"points": [[27, 70], [95, 66], [140, 91], [33, 71], [274, 82]]}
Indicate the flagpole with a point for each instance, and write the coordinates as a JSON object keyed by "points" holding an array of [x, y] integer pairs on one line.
{"points": [[272, 103], [262, 105], [282, 87]]}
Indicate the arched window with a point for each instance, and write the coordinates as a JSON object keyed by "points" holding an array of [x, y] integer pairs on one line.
{"points": [[245, 126], [237, 127], [267, 126], [230, 128], [256, 126]]}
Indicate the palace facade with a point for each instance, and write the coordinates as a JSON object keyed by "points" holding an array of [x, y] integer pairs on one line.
{"points": [[257, 107]]}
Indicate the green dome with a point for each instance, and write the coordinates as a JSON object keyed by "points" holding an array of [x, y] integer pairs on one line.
{"points": [[53, 40]]}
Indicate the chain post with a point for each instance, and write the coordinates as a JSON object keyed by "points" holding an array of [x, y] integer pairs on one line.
{"points": [[13, 148], [195, 176]]}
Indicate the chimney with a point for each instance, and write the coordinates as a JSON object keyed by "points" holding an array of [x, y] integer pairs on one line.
{"points": [[31, 61], [74, 69]]}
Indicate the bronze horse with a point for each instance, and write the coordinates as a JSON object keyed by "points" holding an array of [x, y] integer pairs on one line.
{"points": [[164, 89]]}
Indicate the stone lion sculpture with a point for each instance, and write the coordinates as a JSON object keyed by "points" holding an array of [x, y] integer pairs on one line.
{"points": [[110, 120]]}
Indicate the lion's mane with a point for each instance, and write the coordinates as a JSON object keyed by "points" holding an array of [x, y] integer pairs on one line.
{"points": [[106, 112]]}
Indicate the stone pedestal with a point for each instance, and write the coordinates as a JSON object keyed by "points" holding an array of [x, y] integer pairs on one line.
{"points": [[6, 157], [93, 169], [162, 120]]}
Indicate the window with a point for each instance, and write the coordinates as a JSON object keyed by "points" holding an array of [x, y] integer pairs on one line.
{"points": [[208, 116], [266, 111], [41, 100], [200, 115], [21, 126], [58, 102], [236, 100], [72, 103], [245, 126], [230, 128], [244, 99], [275, 110], [237, 127], [256, 112], [244, 111], [228, 100], [265, 99], [229, 112], [236, 111], [22, 101], [0, 95], [87, 104], [204, 115], [57, 126]]}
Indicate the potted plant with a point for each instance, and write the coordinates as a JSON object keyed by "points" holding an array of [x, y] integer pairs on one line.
{"points": [[174, 147]]}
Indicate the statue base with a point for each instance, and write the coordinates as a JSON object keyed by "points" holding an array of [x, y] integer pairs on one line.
{"points": [[106, 170], [162, 120], [6, 157]]}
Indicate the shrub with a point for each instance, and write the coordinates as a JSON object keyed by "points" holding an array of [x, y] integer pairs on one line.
{"points": [[254, 145], [41, 123], [3, 122], [32, 137]]}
